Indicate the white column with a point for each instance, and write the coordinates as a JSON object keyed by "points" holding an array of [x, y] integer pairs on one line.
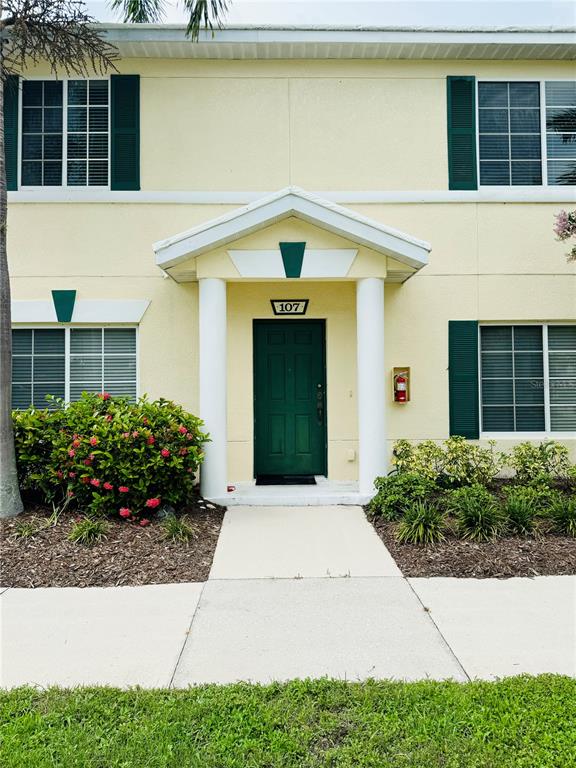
{"points": [[371, 381], [213, 383]]}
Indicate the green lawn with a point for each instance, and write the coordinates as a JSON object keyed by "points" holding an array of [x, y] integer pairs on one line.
{"points": [[520, 721]]}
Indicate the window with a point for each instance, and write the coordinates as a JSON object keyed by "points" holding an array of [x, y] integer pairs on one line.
{"points": [[65, 136], [528, 378], [527, 133], [65, 362]]}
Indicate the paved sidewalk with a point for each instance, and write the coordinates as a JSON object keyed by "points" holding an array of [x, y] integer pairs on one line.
{"points": [[299, 542], [371, 623]]}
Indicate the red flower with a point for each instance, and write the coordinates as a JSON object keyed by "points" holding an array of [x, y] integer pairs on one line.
{"points": [[124, 512], [145, 420], [91, 456], [108, 417], [135, 433], [59, 474], [144, 521], [183, 451], [104, 396], [182, 430], [189, 436], [153, 503], [126, 435], [95, 482], [72, 474], [88, 462], [108, 486], [93, 441], [71, 453], [76, 442], [70, 494], [165, 452], [150, 440], [123, 488]]}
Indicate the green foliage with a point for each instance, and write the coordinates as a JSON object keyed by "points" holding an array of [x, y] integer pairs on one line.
{"points": [[518, 722], [539, 464], [477, 513], [25, 530], [422, 524], [562, 513], [521, 506], [88, 531], [453, 464], [108, 455], [397, 492], [178, 529]]}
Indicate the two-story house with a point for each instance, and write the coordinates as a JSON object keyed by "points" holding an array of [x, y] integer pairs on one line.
{"points": [[319, 240]]}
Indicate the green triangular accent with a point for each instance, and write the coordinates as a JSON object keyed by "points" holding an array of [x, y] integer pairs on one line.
{"points": [[64, 305], [292, 256]]}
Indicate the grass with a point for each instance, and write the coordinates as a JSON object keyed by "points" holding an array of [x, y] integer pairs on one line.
{"points": [[88, 531], [522, 722]]}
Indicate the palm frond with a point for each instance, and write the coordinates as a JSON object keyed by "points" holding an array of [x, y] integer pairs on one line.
{"points": [[140, 11], [204, 14]]}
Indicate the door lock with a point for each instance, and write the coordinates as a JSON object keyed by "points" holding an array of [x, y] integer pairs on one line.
{"points": [[320, 403]]}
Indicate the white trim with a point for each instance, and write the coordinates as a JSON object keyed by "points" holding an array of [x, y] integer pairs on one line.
{"points": [[291, 202], [521, 436], [317, 262], [64, 189], [67, 353], [531, 194], [85, 311], [544, 186]]}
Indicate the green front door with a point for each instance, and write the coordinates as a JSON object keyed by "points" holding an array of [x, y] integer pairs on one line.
{"points": [[289, 398]]}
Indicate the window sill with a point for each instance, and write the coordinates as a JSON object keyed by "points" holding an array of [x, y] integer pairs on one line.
{"points": [[527, 435]]}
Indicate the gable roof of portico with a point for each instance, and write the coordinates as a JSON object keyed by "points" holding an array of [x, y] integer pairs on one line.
{"points": [[286, 203]]}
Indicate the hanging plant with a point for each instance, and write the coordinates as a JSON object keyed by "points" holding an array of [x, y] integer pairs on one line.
{"points": [[565, 228]]}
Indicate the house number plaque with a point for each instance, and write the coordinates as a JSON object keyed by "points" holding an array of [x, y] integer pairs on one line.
{"points": [[289, 306]]}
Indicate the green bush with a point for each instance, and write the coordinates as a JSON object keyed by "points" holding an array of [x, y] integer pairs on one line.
{"points": [[540, 464], [178, 529], [562, 513], [423, 523], [88, 531], [108, 455], [478, 515], [397, 492], [521, 507], [454, 464]]}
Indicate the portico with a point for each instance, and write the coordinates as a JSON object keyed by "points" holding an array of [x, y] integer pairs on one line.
{"points": [[241, 263]]}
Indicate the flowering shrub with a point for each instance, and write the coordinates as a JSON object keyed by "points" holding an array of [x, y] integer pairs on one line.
{"points": [[110, 456], [565, 228]]}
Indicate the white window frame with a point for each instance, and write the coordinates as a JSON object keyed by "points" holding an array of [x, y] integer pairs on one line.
{"points": [[522, 436], [67, 329], [543, 134], [64, 186]]}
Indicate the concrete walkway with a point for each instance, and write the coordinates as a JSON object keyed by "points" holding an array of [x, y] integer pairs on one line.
{"points": [[311, 595]]}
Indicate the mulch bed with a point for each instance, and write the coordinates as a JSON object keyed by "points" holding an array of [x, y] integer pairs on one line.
{"points": [[545, 555], [129, 556]]}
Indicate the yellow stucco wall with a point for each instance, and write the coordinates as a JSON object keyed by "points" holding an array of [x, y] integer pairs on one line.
{"points": [[323, 126]]}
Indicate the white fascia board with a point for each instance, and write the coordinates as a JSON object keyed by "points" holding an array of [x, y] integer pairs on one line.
{"points": [[288, 202], [85, 311], [176, 33]]}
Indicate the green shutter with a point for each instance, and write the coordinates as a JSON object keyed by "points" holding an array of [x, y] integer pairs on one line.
{"points": [[125, 132], [463, 378], [462, 133], [11, 131]]}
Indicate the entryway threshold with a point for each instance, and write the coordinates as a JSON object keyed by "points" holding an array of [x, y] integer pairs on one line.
{"points": [[325, 492]]}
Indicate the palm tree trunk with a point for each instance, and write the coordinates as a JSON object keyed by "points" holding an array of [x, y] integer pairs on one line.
{"points": [[10, 501]]}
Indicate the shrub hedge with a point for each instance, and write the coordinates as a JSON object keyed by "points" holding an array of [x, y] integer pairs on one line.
{"points": [[109, 456]]}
